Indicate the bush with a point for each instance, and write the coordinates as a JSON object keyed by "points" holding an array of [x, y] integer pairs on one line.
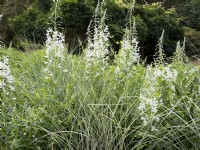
{"points": [[154, 19], [32, 23], [192, 42], [74, 17], [190, 14]]}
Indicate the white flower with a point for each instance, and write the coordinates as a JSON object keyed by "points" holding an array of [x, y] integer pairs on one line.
{"points": [[142, 106], [158, 73], [1, 16], [65, 70], [10, 79], [144, 119], [54, 52], [117, 70], [5, 73], [12, 88], [129, 53], [45, 70], [98, 40]]}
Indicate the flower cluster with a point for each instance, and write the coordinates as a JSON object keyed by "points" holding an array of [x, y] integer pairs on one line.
{"points": [[149, 98], [54, 44], [150, 94], [6, 76], [129, 53], [54, 51], [98, 40], [165, 73], [179, 55]]}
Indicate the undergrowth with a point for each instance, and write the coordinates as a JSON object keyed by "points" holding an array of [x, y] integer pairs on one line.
{"points": [[51, 99]]}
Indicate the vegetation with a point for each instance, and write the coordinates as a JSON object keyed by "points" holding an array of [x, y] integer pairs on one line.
{"points": [[52, 99], [32, 21]]}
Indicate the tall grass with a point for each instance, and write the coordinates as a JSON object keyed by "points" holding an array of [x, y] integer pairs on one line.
{"points": [[62, 101]]}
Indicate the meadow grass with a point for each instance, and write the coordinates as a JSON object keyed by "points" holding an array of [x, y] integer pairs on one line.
{"points": [[64, 101], [80, 108]]}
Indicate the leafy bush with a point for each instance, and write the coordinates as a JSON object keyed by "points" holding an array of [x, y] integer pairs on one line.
{"points": [[10, 9], [74, 17], [190, 14], [154, 19], [32, 24], [192, 42]]}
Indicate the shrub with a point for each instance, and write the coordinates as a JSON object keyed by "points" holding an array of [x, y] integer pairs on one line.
{"points": [[75, 16], [154, 19], [192, 42], [190, 14], [31, 23]]}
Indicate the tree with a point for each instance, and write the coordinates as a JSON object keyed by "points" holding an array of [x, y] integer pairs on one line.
{"points": [[10, 9], [154, 19], [189, 13]]}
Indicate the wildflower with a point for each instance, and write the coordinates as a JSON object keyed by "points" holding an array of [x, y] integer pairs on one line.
{"points": [[5, 74], [1, 16], [158, 73], [129, 53], [144, 119], [153, 104], [172, 88], [12, 88], [166, 73], [45, 70], [54, 52], [142, 106], [117, 70], [65, 70], [54, 44], [149, 96], [98, 40]]}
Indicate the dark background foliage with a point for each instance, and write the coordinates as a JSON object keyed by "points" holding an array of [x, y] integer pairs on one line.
{"points": [[31, 18]]}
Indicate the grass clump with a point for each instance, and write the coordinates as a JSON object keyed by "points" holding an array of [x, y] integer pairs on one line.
{"points": [[63, 101]]}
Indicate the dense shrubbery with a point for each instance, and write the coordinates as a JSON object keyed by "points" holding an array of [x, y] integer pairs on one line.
{"points": [[154, 20], [30, 19], [189, 12], [192, 42], [75, 17], [31, 24]]}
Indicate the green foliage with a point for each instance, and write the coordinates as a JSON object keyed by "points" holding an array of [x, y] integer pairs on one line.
{"points": [[44, 5], [156, 19], [74, 17], [32, 23], [99, 109], [10, 9], [192, 42], [190, 14]]}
